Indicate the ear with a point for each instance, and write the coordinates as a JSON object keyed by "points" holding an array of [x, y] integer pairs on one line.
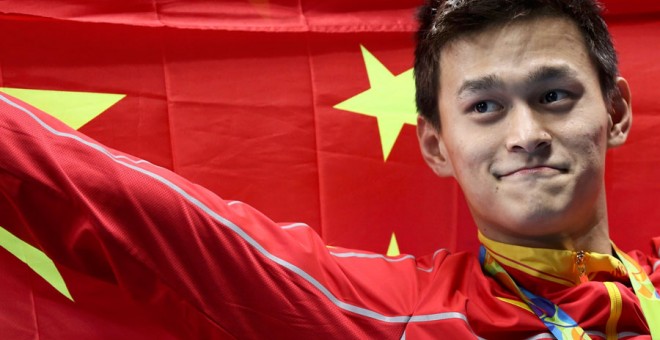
{"points": [[433, 148], [620, 115]]}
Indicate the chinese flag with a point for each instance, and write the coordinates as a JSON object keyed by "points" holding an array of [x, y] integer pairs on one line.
{"points": [[303, 109]]}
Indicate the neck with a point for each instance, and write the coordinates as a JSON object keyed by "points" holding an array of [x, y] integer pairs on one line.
{"points": [[594, 238]]}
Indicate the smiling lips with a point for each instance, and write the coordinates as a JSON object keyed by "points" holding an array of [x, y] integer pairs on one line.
{"points": [[539, 170]]}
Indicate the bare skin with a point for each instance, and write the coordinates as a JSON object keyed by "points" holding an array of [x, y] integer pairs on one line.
{"points": [[524, 130]]}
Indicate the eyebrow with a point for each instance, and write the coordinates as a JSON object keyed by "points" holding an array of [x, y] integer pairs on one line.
{"points": [[492, 81], [485, 83], [546, 73]]}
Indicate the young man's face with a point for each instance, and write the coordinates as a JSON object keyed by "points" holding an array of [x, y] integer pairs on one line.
{"points": [[524, 129]]}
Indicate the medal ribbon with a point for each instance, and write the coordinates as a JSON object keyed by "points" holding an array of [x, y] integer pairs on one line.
{"points": [[648, 297], [560, 324]]}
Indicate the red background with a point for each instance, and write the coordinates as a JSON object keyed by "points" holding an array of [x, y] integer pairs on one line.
{"points": [[238, 96]]}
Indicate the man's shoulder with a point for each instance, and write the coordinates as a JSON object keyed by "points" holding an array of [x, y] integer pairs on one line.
{"points": [[649, 260]]}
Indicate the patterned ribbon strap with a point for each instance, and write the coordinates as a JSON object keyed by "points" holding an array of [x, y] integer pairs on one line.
{"points": [[560, 324], [648, 297]]}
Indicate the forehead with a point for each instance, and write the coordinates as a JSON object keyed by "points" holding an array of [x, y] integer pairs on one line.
{"points": [[512, 50]]}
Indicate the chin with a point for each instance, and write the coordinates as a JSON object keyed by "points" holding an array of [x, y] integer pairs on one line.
{"points": [[532, 223]]}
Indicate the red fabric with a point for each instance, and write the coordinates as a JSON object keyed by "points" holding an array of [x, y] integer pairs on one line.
{"points": [[238, 96], [200, 267]]}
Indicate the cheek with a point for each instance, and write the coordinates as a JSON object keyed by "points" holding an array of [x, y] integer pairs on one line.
{"points": [[470, 156], [587, 141]]}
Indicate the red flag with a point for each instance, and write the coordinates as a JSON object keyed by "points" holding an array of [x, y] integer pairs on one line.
{"points": [[251, 99]]}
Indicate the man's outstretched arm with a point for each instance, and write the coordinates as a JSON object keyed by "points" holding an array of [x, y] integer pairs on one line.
{"points": [[135, 224]]}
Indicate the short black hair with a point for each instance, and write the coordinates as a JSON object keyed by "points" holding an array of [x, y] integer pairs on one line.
{"points": [[441, 21]]}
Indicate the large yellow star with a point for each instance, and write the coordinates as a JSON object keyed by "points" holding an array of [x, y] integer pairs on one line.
{"points": [[75, 109], [35, 259], [391, 99]]}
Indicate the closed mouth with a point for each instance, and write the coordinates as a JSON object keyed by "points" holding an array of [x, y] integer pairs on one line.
{"points": [[529, 170]]}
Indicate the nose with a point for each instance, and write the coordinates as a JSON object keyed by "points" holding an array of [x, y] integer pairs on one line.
{"points": [[527, 132]]}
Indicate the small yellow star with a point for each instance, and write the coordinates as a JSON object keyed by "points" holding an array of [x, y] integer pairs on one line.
{"points": [[393, 248], [391, 99]]}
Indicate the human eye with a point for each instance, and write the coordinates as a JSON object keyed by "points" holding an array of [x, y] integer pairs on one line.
{"points": [[486, 106], [554, 96]]}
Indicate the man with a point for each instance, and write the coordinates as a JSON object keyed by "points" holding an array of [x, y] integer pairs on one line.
{"points": [[519, 102]]}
